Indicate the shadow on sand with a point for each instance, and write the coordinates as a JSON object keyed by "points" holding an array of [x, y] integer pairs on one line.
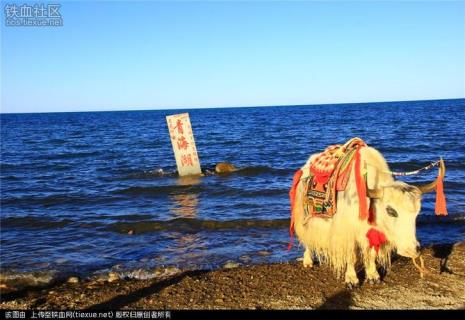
{"points": [[341, 301], [123, 300], [29, 291], [443, 251]]}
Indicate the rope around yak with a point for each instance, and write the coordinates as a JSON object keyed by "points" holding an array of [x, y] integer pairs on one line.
{"points": [[421, 268], [410, 173]]}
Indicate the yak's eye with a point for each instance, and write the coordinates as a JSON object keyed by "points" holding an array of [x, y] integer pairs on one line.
{"points": [[391, 211]]}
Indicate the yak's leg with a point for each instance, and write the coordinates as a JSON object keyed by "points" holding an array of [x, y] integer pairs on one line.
{"points": [[308, 262], [372, 274], [351, 278]]}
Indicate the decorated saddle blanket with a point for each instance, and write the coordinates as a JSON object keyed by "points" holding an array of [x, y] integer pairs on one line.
{"points": [[329, 173], [324, 176]]}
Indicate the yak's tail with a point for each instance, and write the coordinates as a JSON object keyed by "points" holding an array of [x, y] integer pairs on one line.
{"points": [[295, 182]]}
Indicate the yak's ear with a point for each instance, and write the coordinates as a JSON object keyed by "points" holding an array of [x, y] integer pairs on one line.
{"points": [[375, 193]]}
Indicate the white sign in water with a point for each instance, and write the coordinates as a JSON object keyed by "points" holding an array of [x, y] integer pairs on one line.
{"points": [[182, 140]]}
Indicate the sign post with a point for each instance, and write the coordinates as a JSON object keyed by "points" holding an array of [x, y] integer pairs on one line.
{"points": [[182, 140]]}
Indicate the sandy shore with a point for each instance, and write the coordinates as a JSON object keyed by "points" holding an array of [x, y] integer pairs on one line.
{"points": [[273, 286]]}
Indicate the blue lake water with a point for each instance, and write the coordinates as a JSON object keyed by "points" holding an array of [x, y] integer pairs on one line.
{"points": [[74, 184]]}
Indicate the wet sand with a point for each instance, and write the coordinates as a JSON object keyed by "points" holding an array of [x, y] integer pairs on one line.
{"points": [[271, 286]]}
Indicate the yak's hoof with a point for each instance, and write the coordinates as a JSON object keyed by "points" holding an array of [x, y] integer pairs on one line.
{"points": [[374, 281], [351, 285]]}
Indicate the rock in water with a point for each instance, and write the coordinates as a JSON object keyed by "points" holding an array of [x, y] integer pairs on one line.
{"points": [[245, 258], [263, 253], [225, 167]]}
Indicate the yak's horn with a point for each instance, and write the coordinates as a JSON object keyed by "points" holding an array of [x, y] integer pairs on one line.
{"points": [[429, 187], [375, 193]]}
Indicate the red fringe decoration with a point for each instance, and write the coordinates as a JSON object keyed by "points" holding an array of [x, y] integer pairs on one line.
{"points": [[292, 192], [376, 238], [440, 207], [361, 186]]}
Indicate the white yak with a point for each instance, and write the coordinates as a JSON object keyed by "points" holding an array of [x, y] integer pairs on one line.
{"points": [[341, 239]]}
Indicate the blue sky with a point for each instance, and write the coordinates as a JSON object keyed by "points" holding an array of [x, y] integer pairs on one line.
{"points": [[161, 55]]}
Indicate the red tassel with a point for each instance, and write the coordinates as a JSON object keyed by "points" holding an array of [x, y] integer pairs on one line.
{"points": [[292, 192], [440, 208], [361, 187], [376, 238]]}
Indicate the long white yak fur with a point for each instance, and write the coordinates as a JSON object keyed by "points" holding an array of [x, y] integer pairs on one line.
{"points": [[340, 240]]}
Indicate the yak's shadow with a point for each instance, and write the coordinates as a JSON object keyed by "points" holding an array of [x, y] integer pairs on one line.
{"points": [[29, 291], [22, 293], [443, 251], [125, 299], [341, 301]]}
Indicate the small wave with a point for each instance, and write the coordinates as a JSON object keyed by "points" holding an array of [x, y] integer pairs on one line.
{"points": [[220, 191], [14, 280], [39, 223], [52, 200], [256, 170], [33, 222], [28, 279], [145, 274], [28, 168], [141, 223], [398, 149], [60, 156], [195, 225], [57, 141], [238, 192], [130, 217], [450, 219], [150, 174], [154, 190], [5, 166], [11, 178], [208, 171]]}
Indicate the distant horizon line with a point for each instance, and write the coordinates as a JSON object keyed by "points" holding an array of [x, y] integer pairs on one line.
{"points": [[231, 107]]}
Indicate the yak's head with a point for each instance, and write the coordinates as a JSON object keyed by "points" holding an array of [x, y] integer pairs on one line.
{"points": [[397, 207]]}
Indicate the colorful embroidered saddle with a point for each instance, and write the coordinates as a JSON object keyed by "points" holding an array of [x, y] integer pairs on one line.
{"points": [[329, 172]]}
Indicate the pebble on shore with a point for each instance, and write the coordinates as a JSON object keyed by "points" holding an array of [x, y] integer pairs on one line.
{"points": [[230, 265], [113, 276], [73, 280]]}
